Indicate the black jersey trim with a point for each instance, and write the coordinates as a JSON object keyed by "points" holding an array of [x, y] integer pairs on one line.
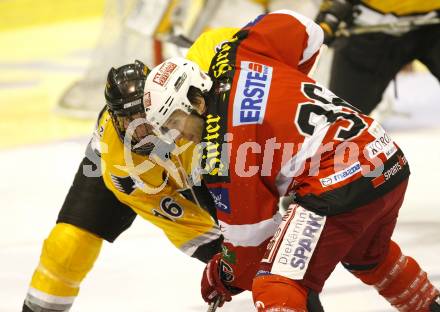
{"points": [[222, 70]]}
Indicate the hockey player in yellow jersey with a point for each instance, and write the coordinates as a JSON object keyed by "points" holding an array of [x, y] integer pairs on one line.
{"points": [[118, 180], [384, 36]]}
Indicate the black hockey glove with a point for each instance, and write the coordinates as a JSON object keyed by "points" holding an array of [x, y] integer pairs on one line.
{"points": [[332, 13]]}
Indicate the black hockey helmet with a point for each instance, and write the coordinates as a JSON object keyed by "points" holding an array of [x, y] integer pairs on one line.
{"points": [[124, 92]]}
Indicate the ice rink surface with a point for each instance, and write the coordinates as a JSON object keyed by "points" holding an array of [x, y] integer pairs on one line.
{"points": [[142, 271]]}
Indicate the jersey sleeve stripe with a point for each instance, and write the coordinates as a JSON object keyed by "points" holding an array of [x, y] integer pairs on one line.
{"points": [[191, 246], [48, 301], [250, 235], [292, 167]]}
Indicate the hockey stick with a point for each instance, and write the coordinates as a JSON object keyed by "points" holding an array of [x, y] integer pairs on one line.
{"points": [[214, 305], [401, 26], [180, 40]]}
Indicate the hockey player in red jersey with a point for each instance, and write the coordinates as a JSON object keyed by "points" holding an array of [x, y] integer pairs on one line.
{"points": [[271, 131]]}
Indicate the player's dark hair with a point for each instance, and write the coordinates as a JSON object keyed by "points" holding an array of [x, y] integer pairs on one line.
{"points": [[194, 95]]}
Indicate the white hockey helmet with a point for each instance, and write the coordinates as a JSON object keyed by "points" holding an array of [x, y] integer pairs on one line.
{"points": [[166, 90]]}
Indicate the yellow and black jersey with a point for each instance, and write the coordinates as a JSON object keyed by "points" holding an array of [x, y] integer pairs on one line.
{"points": [[374, 12], [155, 188], [111, 180], [208, 44], [158, 187]]}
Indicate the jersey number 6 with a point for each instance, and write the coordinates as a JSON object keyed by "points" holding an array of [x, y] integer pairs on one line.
{"points": [[170, 209]]}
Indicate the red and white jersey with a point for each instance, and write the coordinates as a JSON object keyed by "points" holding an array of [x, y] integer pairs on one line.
{"points": [[271, 131]]}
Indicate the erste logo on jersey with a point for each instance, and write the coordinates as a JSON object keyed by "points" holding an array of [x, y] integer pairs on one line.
{"points": [[252, 92]]}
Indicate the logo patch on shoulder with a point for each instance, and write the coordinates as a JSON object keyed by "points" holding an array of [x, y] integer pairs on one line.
{"points": [[221, 199], [252, 93], [123, 184]]}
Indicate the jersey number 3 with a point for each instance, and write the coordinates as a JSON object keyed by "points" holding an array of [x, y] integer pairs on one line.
{"points": [[329, 107]]}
